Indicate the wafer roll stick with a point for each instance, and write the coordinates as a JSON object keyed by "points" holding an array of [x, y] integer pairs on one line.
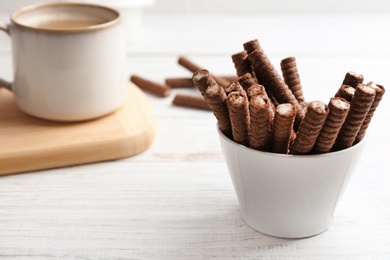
{"points": [[234, 86], [261, 117], [346, 92], [186, 63], [255, 90], [251, 46], [258, 89], [216, 99], [150, 86], [180, 82], [273, 99], [338, 110], [379, 92], [202, 80], [353, 79], [282, 128], [241, 63], [272, 80], [190, 101], [292, 138], [238, 107], [310, 128], [291, 78], [229, 78], [360, 105], [247, 80], [184, 82]]}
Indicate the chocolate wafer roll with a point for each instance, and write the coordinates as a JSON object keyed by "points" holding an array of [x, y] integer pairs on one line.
{"points": [[184, 82], [346, 92], [190, 101], [282, 128], [151, 86], [353, 79], [216, 99], [360, 105], [241, 63], [273, 99], [292, 137], [338, 110], [180, 82], [272, 81], [379, 92], [247, 80], [238, 107], [186, 63], [261, 117], [229, 78], [310, 128], [202, 80], [255, 90], [251, 46], [234, 86], [291, 78]]}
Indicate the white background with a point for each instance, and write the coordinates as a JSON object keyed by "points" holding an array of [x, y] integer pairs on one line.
{"points": [[243, 6]]}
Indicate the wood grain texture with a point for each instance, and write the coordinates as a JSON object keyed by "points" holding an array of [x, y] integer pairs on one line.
{"points": [[28, 143]]}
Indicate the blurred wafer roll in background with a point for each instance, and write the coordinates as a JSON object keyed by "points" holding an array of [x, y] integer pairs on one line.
{"points": [[273, 81], [282, 128], [186, 82], [310, 128], [291, 78], [238, 107], [379, 92], [202, 79], [241, 63], [251, 46], [151, 86], [360, 105], [216, 99], [353, 79], [192, 67], [190, 101], [338, 110], [261, 117], [229, 78], [179, 82], [346, 92]]}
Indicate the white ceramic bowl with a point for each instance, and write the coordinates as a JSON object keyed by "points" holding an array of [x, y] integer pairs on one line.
{"points": [[291, 196]]}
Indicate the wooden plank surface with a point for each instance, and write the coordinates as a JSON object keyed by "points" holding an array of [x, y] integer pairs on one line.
{"points": [[28, 143]]}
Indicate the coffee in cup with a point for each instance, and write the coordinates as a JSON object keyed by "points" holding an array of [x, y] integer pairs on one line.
{"points": [[69, 60]]}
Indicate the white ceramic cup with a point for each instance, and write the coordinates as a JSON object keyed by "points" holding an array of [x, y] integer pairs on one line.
{"points": [[290, 196], [67, 72]]}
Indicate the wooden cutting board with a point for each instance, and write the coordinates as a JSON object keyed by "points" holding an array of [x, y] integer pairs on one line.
{"points": [[28, 143]]}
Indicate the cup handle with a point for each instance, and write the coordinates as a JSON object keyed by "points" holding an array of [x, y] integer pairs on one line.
{"points": [[4, 83]]}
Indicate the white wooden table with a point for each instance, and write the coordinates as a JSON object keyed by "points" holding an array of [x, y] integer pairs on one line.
{"points": [[176, 201]]}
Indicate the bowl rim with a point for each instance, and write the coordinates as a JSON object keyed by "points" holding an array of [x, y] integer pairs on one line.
{"points": [[240, 146]]}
